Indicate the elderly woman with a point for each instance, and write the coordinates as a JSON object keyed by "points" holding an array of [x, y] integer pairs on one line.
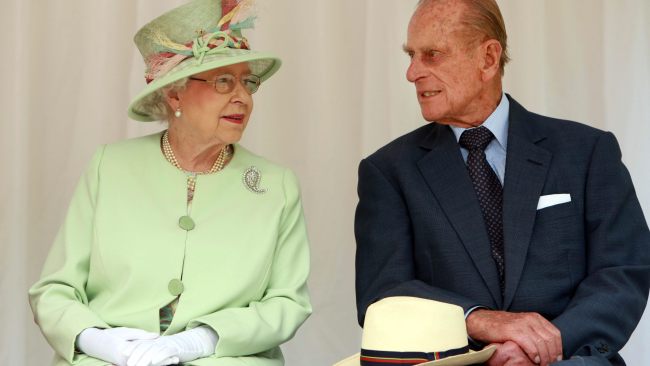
{"points": [[182, 246]]}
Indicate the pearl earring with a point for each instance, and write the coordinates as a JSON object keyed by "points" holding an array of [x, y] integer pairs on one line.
{"points": [[178, 113]]}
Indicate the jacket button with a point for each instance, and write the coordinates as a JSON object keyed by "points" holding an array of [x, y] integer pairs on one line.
{"points": [[175, 287], [186, 223]]}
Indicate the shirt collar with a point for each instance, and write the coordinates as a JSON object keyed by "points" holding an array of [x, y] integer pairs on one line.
{"points": [[497, 123]]}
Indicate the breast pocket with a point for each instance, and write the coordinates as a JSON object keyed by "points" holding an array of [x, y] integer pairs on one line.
{"points": [[556, 212], [547, 272]]}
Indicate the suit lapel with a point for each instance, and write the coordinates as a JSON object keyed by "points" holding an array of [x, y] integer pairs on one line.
{"points": [[526, 168], [446, 174]]}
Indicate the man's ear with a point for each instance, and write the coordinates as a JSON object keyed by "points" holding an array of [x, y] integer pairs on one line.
{"points": [[491, 56]]}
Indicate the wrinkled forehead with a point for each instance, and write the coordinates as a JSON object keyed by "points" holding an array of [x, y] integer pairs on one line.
{"points": [[241, 68], [438, 21], [442, 8], [441, 15]]}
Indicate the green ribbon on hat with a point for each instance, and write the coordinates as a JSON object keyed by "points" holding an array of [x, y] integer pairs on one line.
{"points": [[201, 45]]}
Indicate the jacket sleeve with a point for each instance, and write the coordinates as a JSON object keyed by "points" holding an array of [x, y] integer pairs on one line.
{"points": [[384, 258], [58, 300], [610, 300], [275, 318]]}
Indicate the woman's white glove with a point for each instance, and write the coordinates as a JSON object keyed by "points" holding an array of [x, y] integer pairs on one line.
{"points": [[181, 347], [110, 344]]}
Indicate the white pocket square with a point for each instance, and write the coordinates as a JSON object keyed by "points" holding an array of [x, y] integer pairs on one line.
{"points": [[552, 200]]}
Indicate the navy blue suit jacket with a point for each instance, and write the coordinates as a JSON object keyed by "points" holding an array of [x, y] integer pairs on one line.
{"points": [[584, 265]]}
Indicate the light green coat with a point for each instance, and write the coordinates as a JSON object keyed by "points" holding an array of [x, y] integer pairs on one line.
{"points": [[244, 266]]}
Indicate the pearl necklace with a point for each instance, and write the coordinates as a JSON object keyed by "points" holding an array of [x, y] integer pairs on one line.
{"points": [[218, 165]]}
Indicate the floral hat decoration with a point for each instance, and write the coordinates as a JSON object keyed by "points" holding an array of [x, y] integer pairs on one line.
{"points": [[196, 37]]}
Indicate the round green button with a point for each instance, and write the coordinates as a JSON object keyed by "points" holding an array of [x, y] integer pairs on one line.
{"points": [[186, 223], [175, 287]]}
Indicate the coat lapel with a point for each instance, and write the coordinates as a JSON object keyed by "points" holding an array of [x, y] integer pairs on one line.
{"points": [[446, 174], [526, 168]]}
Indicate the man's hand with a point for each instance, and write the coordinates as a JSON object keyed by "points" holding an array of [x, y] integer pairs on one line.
{"points": [[509, 354], [536, 336]]}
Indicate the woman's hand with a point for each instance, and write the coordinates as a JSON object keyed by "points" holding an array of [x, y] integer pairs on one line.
{"points": [[110, 344], [166, 350]]}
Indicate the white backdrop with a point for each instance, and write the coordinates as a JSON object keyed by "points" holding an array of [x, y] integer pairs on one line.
{"points": [[69, 69]]}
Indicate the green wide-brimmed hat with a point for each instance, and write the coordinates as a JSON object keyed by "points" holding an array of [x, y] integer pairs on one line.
{"points": [[196, 37]]}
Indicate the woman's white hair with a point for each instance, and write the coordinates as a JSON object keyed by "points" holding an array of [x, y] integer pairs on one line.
{"points": [[155, 104]]}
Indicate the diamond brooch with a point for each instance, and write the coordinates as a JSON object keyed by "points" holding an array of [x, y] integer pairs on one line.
{"points": [[252, 178]]}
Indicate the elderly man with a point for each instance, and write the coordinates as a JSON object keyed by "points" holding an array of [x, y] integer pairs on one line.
{"points": [[531, 224]]}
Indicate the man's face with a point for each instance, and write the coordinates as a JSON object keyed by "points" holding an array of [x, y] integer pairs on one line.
{"points": [[445, 64]]}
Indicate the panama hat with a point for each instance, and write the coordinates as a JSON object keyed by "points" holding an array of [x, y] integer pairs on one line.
{"points": [[409, 331], [199, 36]]}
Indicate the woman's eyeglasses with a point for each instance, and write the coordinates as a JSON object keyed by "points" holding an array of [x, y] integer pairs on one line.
{"points": [[225, 83]]}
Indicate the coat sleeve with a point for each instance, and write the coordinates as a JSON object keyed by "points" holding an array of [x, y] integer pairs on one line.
{"points": [[58, 300], [610, 300], [275, 318], [384, 257]]}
